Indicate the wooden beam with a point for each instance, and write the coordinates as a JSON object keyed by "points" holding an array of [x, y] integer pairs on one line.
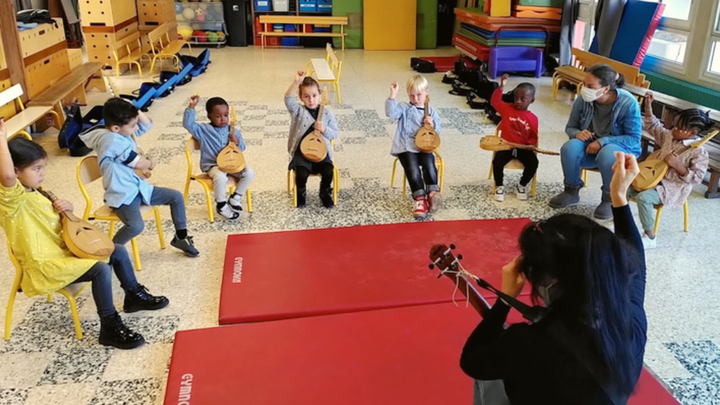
{"points": [[11, 46]]}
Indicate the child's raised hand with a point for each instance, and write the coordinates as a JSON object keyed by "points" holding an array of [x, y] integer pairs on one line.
{"points": [[3, 130], [299, 76], [504, 79], [513, 279], [649, 98], [393, 90], [320, 126], [625, 169], [194, 101], [62, 205]]}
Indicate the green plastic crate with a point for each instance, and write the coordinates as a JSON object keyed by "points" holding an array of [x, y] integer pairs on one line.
{"points": [[543, 3]]}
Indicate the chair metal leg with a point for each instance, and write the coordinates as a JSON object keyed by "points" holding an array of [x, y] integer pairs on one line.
{"points": [[686, 215], [294, 190], [111, 232], [11, 303], [404, 184], [249, 200], [657, 219], [534, 183], [158, 223], [136, 254], [187, 191], [336, 186], [73, 309], [584, 176], [392, 177], [490, 173], [208, 200]]}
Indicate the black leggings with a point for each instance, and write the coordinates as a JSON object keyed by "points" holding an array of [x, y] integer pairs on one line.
{"points": [[325, 169], [526, 157], [411, 163]]}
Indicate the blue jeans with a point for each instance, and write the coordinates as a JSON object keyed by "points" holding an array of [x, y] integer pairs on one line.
{"points": [[100, 275], [646, 202], [130, 214], [574, 158], [411, 163]]}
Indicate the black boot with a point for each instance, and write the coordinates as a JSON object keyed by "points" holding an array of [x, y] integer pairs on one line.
{"points": [[301, 193], [570, 196], [113, 332], [140, 299], [326, 197], [604, 210]]}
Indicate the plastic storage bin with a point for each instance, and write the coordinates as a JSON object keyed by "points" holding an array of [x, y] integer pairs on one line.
{"points": [[281, 5], [308, 5], [324, 6], [262, 5]]}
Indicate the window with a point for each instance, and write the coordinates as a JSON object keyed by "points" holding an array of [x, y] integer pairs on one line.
{"points": [[676, 9], [715, 58], [669, 46]]}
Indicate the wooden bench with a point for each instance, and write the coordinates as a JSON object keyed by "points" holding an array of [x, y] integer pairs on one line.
{"points": [[163, 46], [86, 76], [130, 51], [18, 123], [327, 70], [269, 20], [670, 107], [582, 61]]}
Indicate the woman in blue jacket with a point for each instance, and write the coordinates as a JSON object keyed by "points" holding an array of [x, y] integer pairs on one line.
{"points": [[604, 121]]}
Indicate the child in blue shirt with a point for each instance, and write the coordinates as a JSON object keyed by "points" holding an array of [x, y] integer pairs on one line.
{"points": [[125, 191], [410, 120], [213, 138]]}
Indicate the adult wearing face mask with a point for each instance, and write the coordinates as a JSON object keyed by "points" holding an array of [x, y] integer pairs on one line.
{"points": [[603, 121]]}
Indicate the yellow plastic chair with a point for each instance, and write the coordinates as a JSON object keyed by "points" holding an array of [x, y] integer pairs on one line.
{"points": [[439, 163], [88, 171], [327, 70], [291, 189], [658, 212], [71, 292], [584, 175], [513, 165], [206, 181]]}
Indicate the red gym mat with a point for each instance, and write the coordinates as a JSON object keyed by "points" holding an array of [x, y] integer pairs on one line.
{"points": [[283, 275], [393, 356]]}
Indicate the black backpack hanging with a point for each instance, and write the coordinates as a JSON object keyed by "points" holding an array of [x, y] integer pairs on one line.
{"points": [[70, 131]]}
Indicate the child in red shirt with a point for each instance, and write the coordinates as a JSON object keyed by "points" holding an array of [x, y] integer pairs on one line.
{"points": [[518, 125]]}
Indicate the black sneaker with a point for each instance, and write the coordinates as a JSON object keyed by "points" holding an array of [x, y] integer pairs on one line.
{"points": [[113, 332], [140, 299], [301, 198], [234, 202], [326, 198], [186, 245]]}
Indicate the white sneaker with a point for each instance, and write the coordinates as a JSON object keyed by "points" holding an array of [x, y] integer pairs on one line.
{"points": [[521, 193], [499, 194], [234, 202], [649, 243], [228, 212]]}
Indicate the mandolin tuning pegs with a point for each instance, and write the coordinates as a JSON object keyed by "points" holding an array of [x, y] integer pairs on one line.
{"points": [[452, 246], [459, 257], [431, 266]]}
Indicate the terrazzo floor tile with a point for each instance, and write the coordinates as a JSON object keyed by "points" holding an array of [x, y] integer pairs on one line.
{"points": [[64, 394], [127, 392], [22, 369], [13, 396], [149, 361], [76, 365], [702, 360]]}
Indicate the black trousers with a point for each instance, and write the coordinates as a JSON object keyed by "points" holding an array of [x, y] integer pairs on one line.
{"points": [[325, 169], [411, 163], [526, 157]]}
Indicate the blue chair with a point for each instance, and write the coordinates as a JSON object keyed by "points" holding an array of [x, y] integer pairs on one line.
{"points": [[515, 59]]}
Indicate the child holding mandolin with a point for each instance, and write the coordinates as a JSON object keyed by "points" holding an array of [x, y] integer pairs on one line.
{"points": [[684, 169], [213, 138], [519, 126], [411, 117], [125, 191], [33, 229], [304, 123]]}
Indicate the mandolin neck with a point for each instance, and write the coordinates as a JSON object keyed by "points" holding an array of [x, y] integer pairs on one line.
{"points": [[427, 107], [320, 112], [52, 197]]}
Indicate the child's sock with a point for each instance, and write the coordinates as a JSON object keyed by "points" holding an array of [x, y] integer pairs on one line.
{"points": [[181, 233], [221, 204]]}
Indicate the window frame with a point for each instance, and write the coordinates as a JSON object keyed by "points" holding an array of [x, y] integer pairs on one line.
{"points": [[713, 35]]}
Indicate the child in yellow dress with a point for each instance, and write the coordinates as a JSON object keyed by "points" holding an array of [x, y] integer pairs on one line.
{"points": [[33, 228]]}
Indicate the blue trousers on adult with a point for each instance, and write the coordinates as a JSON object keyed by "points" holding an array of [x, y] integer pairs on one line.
{"points": [[574, 158]]}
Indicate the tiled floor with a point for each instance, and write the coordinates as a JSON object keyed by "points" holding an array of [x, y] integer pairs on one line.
{"points": [[44, 364]]}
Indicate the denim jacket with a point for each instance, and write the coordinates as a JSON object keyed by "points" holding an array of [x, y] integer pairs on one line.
{"points": [[626, 126]]}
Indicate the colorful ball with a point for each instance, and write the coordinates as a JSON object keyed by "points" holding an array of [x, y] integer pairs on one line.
{"points": [[188, 13], [212, 36], [178, 8], [186, 32], [221, 36], [200, 36]]}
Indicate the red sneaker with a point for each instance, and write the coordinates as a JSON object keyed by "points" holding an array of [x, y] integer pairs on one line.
{"points": [[434, 201], [421, 207]]}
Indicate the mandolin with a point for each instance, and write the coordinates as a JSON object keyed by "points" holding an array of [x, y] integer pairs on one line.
{"points": [[142, 173], [496, 143], [654, 168], [230, 159], [442, 259], [83, 239], [426, 139], [313, 146]]}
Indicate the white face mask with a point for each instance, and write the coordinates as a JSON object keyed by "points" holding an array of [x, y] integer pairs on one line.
{"points": [[548, 293], [589, 95]]}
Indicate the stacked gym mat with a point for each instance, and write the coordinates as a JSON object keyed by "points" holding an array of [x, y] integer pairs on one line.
{"points": [[478, 32], [427, 24], [353, 9]]}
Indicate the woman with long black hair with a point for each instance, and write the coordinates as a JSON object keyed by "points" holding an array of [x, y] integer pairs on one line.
{"points": [[589, 347]]}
